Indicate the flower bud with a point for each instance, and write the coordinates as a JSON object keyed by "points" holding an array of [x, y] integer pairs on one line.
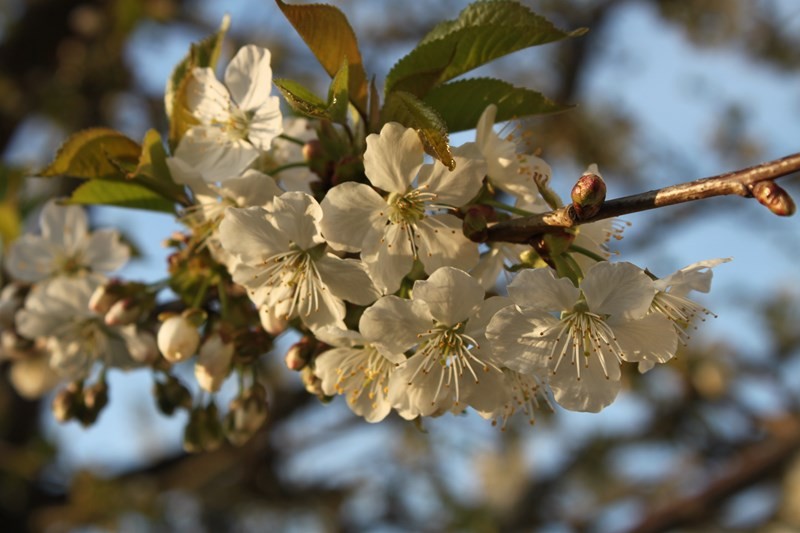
{"points": [[171, 395], [95, 398], [67, 403], [589, 193], [298, 356], [311, 381], [104, 296], [178, 339], [774, 197], [123, 312], [475, 226], [203, 432], [246, 415], [213, 362]]}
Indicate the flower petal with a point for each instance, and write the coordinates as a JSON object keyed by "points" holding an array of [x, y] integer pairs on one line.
{"points": [[452, 295], [64, 225], [652, 338], [206, 98], [103, 251], [459, 186], [618, 289], [351, 211], [249, 77], [518, 340], [32, 258], [297, 215], [591, 393], [248, 235], [393, 157], [440, 242], [388, 259], [541, 290], [394, 323], [347, 279]]}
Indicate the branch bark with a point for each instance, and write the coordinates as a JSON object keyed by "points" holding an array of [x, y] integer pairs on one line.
{"points": [[738, 182]]}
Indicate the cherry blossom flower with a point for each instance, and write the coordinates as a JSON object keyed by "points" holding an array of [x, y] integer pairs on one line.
{"points": [[525, 394], [66, 247], [508, 169], [672, 302], [601, 323], [357, 369], [394, 229], [443, 323], [76, 337], [238, 120], [284, 264]]}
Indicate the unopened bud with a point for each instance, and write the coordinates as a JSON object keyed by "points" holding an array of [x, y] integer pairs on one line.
{"points": [[142, 347], [476, 220], [298, 356], [171, 395], [774, 197], [178, 339], [246, 415], [123, 312], [68, 402], [203, 432], [312, 383], [213, 362], [105, 296], [313, 150], [589, 193], [549, 245], [95, 398]]}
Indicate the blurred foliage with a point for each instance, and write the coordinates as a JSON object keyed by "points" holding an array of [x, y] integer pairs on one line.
{"points": [[713, 432]]}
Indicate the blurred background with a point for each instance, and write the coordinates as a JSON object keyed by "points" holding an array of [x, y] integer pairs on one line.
{"points": [[665, 91]]}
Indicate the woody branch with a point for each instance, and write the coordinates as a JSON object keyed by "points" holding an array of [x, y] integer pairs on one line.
{"points": [[752, 182]]}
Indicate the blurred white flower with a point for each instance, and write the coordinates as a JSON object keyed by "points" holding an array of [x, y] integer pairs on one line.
{"points": [[65, 247]]}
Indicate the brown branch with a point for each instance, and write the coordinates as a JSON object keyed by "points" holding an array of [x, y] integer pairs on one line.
{"points": [[753, 465], [739, 182]]}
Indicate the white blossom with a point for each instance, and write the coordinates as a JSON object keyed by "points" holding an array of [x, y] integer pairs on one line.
{"points": [[600, 324], [393, 228], [284, 263], [65, 247]]}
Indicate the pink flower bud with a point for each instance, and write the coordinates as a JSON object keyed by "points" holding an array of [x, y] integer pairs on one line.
{"points": [[104, 297], [589, 193], [774, 197], [123, 312], [272, 322], [178, 339]]}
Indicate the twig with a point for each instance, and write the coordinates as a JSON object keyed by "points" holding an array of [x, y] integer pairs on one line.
{"points": [[739, 182]]}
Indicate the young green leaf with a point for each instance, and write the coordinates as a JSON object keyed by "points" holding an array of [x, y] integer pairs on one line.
{"points": [[460, 103], [202, 54], [331, 39], [412, 112], [482, 32], [121, 194], [94, 153], [309, 104]]}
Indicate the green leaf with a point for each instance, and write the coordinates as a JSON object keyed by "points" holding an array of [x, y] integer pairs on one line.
{"points": [[94, 153], [121, 194], [152, 170], [460, 103], [307, 103], [202, 54], [412, 112], [484, 31], [331, 39]]}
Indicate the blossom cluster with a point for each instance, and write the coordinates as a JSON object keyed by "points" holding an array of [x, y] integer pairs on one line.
{"points": [[364, 254]]}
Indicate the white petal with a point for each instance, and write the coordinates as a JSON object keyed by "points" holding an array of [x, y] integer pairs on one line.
{"points": [[393, 158], [394, 323], [423, 396], [347, 279], [32, 258], [540, 289], [248, 235], [104, 252], [459, 186], [253, 188], [618, 289], [652, 338], [351, 211], [695, 277], [265, 124], [476, 327], [206, 98], [214, 155], [518, 340], [441, 242], [452, 295], [297, 215], [249, 77], [340, 338], [388, 259], [591, 393], [64, 225]]}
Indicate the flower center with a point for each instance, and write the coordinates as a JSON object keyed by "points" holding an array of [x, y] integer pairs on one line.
{"points": [[579, 335], [680, 311], [364, 370], [295, 276], [410, 207]]}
